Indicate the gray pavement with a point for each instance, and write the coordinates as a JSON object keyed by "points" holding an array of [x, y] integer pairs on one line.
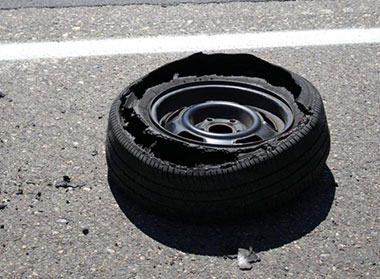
{"points": [[21, 4], [54, 115], [131, 21]]}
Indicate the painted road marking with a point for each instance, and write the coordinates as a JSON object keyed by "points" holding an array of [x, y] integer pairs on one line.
{"points": [[191, 43]]}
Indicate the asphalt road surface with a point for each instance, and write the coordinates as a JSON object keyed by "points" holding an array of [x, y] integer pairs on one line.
{"points": [[14, 4], [53, 119]]}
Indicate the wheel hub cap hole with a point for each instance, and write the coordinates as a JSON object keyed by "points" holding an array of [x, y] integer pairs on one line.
{"points": [[220, 129]]}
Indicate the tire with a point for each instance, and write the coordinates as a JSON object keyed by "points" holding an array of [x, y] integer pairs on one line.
{"points": [[215, 170]]}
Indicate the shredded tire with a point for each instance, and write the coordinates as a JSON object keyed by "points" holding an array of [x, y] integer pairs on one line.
{"points": [[202, 182]]}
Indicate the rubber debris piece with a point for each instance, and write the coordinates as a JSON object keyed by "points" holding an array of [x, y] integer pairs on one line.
{"points": [[2, 95], [246, 258], [3, 205], [66, 183], [19, 191]]}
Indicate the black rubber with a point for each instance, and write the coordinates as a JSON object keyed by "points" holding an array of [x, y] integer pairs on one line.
{"points": [[206, 183]]}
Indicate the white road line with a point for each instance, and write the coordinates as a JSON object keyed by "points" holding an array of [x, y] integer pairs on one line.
{"points": [[166, 44]]}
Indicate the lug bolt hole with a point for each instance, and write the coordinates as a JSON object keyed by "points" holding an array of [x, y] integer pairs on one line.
{"points": [[232, 120], [209, 119]]}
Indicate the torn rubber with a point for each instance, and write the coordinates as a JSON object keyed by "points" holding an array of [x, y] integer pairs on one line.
{"points": [[201, 64]]}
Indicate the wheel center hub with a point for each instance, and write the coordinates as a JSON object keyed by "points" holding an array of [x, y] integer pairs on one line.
{"points": [[221, 120]]}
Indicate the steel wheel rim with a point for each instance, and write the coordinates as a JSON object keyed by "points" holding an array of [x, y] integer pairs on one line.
{"points": [[219, 113]]}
